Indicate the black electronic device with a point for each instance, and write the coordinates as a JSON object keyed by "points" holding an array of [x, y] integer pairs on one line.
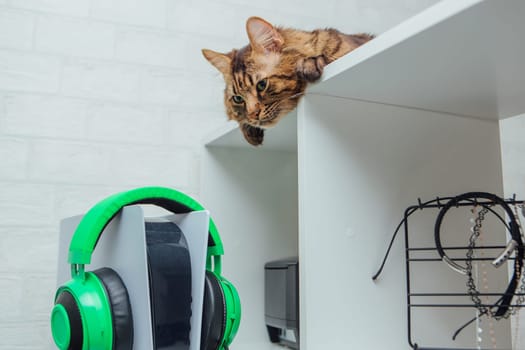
{"points": [[281, 280]]}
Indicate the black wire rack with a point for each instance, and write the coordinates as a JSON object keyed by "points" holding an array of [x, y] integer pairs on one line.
{"points": [[411, 304]]}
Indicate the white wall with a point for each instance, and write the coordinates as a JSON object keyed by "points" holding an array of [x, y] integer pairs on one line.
{"points": [[98, 96], [512, 133]]}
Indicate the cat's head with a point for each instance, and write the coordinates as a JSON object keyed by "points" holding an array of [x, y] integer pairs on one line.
{"points": [[261, 80]]}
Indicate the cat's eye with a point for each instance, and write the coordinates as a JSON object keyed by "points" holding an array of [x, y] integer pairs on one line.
{"points": [[261, 85], [238, 99]]}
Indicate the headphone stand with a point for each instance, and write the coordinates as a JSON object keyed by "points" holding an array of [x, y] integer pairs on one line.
{"points": [[122, 247]]}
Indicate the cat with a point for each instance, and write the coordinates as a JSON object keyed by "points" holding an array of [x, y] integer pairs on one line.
{"points": [[266, 79]]}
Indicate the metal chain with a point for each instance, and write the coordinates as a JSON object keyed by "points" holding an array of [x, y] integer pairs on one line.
{"points": [[471, 284]]}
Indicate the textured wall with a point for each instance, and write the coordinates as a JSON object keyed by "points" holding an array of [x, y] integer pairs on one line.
{"points": [[97, 96]]}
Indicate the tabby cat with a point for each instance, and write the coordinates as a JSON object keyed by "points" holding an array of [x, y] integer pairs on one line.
{"points": [[266, 79]]}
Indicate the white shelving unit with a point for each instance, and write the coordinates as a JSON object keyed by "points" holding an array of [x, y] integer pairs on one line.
{"points": [[414, 113]]}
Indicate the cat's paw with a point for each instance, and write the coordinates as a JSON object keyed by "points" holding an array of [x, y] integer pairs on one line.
{"points": [[310, 68], [252, 134]]}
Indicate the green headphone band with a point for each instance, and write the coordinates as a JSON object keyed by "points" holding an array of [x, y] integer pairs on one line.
{"points": [[98, 217]]}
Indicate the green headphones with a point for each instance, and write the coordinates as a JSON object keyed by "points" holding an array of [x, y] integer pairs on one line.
{"points": [[92, 311]]}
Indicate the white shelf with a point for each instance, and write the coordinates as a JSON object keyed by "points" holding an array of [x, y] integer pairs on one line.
{"points": [[464, 57], [283, 138], [385, 126], [472, 65]]}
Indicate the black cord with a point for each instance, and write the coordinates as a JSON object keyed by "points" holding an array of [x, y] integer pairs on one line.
{"points": [[456, 333], [408, 212], [421, 206], [374, 277]]}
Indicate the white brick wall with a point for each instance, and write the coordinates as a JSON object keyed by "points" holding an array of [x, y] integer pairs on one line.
{"points": [[36, 115], [100, 80], [14, 154], [63, 7], [39, 242], [74, 37], [150, 13], [126, 123], [16, 29], [26, 204], [151, 47], [25, 71], [70, 163], [98, 96]]}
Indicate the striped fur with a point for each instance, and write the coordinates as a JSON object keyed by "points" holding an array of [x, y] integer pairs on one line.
{"points": [[266, 79]]}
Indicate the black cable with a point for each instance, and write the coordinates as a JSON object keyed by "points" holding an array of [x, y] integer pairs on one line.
{"points": [[456, 333], [374, 277], [421, 206], [409, 212], [413, 209]]}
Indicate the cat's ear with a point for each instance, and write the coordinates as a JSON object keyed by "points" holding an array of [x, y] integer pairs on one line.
{"points": [[263, 36], [219, 60]]}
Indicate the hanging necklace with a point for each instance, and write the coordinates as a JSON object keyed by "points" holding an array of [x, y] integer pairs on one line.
{"points": [[477, 233], [476, 230], [479, 329]]}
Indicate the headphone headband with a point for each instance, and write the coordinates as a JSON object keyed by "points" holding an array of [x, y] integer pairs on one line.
{"points": [[98, 217]]}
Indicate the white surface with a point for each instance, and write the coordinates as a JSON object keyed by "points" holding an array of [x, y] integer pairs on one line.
{"points": [[464, 57], [412, 114], [360, 166], [252, 195], [513, 157], [283, 138], [122, 246]]}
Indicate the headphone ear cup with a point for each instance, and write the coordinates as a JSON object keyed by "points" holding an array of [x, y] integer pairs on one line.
{"points": [[66, 322], [233, 310], [214, 313], [120, 308]]}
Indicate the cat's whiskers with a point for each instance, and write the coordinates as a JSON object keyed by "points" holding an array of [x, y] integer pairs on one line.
{"points": [[278, 102], [273, 107]]}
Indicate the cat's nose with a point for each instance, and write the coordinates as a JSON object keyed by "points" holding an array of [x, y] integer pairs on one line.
{"points": [[255, 114]]}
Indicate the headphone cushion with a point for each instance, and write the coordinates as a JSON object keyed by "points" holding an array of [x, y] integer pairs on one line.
{"points": [[120, 308], [214, 313], [68, 301]]}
